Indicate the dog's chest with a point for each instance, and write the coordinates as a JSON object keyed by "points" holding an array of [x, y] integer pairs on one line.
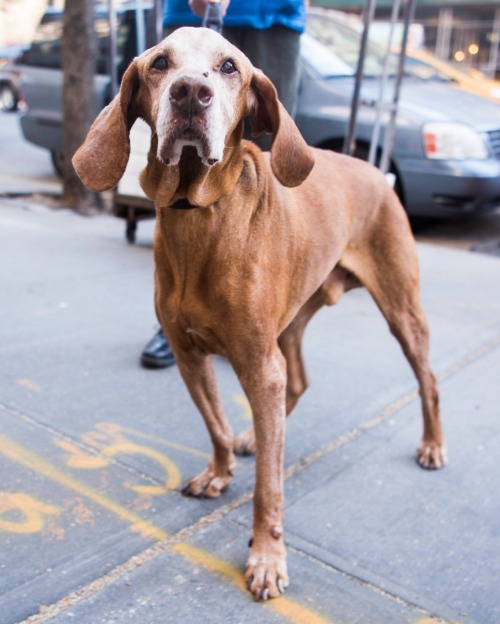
{"points": [[194, 314], [200, 330]]}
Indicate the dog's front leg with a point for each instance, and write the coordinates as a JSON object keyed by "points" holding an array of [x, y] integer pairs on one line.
{"points": [[199, 376], [264, 382]]}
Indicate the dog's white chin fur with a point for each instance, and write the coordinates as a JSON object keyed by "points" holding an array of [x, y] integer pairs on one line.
{"points": [[176, 152]]}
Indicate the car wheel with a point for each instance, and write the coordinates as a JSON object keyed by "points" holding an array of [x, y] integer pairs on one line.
{"points": [[57, 158], [8, 98]]}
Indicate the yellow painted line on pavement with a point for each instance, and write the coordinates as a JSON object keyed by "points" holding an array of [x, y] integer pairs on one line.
{"points": [[200, 557], [436, 620], [17, 453], [289, 609], [33, 512], [164, 442], [28, 383]]}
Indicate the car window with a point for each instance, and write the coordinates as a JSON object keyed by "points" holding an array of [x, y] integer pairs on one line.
{"points": [[45, 50], [344, 41], [323, 60]]}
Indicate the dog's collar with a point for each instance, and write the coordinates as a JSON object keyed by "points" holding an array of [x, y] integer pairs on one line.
{"points": [[183, 204]]}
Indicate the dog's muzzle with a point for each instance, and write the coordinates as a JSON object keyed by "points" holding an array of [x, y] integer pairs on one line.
{"points": [[186, 108]]}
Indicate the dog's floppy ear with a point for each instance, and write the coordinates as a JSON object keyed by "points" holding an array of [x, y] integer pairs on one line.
{"points": [[291, 157], [101, 160]]}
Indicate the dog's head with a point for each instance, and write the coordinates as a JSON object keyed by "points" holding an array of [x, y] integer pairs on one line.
{"points": [[193, 89]]}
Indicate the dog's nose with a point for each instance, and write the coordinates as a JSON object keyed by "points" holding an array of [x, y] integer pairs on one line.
{"points": [[191, 94]]}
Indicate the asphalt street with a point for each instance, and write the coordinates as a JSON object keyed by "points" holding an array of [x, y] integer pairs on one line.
{"points": [[94, 450]]}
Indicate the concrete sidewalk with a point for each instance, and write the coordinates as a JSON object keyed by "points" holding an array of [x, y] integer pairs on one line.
{"points": [[94, 451]]}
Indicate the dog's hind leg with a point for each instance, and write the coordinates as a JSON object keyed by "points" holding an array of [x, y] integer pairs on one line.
{"points": [[290, 343], [388, 267], [337, 283], [409, 326]]}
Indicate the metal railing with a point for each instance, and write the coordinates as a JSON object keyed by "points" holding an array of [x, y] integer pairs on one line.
{"points": [[383, 104]]}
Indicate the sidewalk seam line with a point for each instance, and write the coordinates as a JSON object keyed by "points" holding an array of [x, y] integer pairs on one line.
{"points": [[92, 450], [370, 584]]}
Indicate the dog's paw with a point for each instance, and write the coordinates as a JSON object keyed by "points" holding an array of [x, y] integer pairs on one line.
{"points": [[431, 456], [244, 443], [266, 574], [207, 484]]}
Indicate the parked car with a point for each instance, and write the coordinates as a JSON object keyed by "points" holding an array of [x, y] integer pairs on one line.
{"points": [[429, 67], [446, 156]]}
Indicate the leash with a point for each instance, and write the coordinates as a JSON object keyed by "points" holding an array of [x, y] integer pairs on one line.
{"points": [[213, 16]]}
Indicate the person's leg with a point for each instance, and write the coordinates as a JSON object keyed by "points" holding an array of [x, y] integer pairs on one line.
{"points": [[276, 51]]}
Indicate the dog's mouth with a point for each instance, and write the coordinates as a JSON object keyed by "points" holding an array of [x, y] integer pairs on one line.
{"points": [[184, 135]]}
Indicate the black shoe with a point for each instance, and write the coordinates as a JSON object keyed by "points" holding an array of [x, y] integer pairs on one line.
{"points": [[157, 353]]}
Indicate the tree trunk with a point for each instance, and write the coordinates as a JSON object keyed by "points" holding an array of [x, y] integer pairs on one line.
{"points": [[79, 47]]}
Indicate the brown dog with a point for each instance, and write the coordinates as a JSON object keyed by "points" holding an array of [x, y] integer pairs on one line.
{"points": [[248, 246]]}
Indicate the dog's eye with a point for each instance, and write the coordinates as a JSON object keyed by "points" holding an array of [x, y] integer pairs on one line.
{"points": [[160, 63], [228, 67]]}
